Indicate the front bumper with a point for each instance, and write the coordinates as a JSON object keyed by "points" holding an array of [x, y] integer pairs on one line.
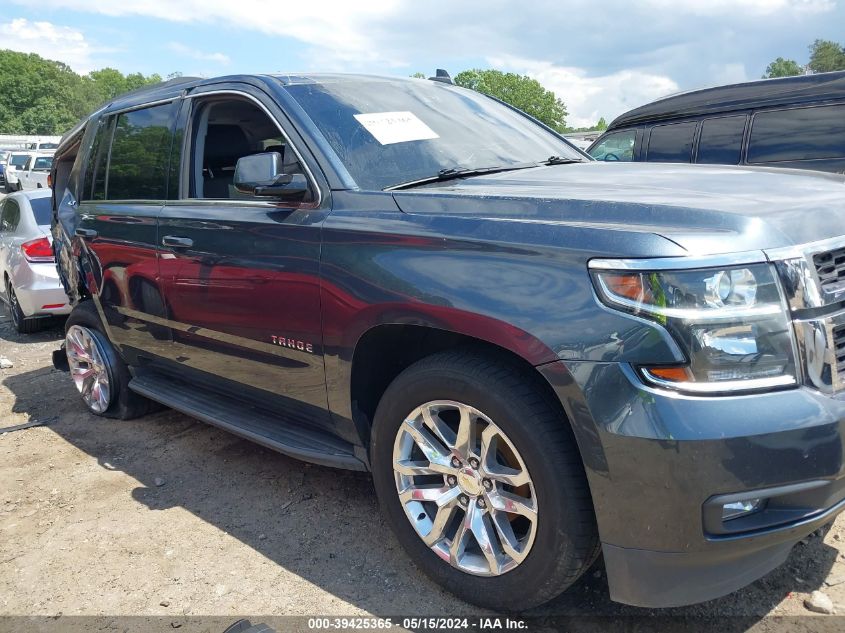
{"points": [[655, 460]]}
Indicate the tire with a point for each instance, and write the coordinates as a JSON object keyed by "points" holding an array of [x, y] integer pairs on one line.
{"points": [[565, 537], [121, 403], [22, 323]]}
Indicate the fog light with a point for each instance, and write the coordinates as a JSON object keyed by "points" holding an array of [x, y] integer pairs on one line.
{"points": [[741, 508]]}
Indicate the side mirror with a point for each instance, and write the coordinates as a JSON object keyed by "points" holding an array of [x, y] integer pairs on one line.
{"points": [[261, 175]]}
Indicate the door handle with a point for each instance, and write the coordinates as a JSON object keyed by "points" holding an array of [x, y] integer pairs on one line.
{"points": [[89, 233], [175, 241]]}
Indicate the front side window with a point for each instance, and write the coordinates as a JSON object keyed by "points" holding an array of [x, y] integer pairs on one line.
{"points": [[389, 132], [720, 142], [671, 143], [223, 131], [140, 153], [798, 134], [18, 160], [616, 146]]}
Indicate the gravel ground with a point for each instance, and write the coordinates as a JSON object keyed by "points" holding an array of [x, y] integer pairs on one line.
{"points": [[166, 516]]}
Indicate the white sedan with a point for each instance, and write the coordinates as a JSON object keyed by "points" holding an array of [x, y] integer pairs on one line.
{"points": [[30, 281]]}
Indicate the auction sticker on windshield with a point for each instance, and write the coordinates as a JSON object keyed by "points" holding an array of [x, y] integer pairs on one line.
{"points": [[395, 127]]}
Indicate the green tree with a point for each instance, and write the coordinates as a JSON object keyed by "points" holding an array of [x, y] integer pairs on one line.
{"points": [[520, 91], [418, 75], [783, 68], [826, 56], [40, 96], [601, 125]]}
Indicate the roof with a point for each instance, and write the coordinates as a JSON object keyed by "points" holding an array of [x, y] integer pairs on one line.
{"points": [[752, 94]]}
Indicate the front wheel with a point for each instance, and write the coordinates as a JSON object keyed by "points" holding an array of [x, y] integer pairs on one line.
{"points": [[480, 479]]}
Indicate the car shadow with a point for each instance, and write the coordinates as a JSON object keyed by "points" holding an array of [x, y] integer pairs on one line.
{"points": [[323, 524]]}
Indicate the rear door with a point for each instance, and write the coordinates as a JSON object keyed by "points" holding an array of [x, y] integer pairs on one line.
{"points": [[240, 274], [124, 189]]}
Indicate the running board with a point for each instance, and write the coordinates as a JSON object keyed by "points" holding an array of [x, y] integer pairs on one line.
{"points": [[252, 423]]}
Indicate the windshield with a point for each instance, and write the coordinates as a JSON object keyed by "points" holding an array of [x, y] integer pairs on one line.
{"points": [[42, 209], [389, 132], [18, 160]]}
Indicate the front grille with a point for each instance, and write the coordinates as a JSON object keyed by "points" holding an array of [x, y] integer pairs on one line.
{"points": [[839, 350], [830, 267]]}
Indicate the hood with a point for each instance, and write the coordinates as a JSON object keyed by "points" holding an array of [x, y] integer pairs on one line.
{"points": [[703, 209]]}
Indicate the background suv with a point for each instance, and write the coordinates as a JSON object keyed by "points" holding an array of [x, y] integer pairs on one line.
{"points": [[795, 122]]}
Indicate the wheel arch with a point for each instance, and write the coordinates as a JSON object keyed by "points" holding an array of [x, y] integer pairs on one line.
{"points": [[391, 348]]}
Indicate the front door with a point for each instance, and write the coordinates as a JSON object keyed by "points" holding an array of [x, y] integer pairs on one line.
{"points": [[240, 274]]}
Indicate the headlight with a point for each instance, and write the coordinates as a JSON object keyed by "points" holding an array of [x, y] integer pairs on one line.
{"points": [[730, 323]]}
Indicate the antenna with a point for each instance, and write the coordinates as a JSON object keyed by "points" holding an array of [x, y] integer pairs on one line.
{"points": [[442, 76]]}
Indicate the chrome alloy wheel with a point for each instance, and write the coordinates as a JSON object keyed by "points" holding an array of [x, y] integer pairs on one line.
{"points": [[464, 488], [88, 368]]}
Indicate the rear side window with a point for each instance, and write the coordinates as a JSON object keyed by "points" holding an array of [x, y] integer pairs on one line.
{"points": [[797, 134], [42, 209], [720, 142], [11, 216], [140, 152], [94, 187], [671, 143]]}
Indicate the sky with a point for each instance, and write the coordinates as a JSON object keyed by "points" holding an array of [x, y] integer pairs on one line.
{"points": [[601, 58]]}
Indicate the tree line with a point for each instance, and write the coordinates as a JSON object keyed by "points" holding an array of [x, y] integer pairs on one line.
{"points": [[825, 56], [41, 96]]}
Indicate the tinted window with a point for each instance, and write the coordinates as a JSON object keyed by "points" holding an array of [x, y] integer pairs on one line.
{"points": [[140, 152], [616, 146], [43, 163], [11, 216], [671, 143], [94, 187], [388, 132], [720, 142], [18, 160], [799, 134], [42, 209]]}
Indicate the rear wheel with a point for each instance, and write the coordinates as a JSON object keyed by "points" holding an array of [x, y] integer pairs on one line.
{"points": [[22, 323], [480, 478], [99, 373]]}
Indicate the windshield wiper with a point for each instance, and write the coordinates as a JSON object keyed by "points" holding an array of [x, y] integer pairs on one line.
{"points": [[560, 160], [451, 173]]}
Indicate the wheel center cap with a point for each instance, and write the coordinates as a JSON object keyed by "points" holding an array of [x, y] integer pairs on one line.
{"points": [[470, 482]]}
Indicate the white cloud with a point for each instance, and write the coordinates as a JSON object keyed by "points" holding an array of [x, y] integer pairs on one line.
{"points": [[193, 53], [601, 58], [732, 7], [59, 43], [589, 97], [337, 25]]}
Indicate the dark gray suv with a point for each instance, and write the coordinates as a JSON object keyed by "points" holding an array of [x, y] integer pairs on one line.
{"points": [[538, 356]]}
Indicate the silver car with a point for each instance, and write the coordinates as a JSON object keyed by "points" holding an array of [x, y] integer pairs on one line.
{"points": [[31, 285]]}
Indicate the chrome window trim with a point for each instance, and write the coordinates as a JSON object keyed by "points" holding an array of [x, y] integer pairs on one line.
{"points": [[229, 91], [141, 106], [681, 262]]}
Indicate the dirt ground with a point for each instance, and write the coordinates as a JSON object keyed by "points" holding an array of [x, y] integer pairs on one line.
{"points": [[168, 516]]}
